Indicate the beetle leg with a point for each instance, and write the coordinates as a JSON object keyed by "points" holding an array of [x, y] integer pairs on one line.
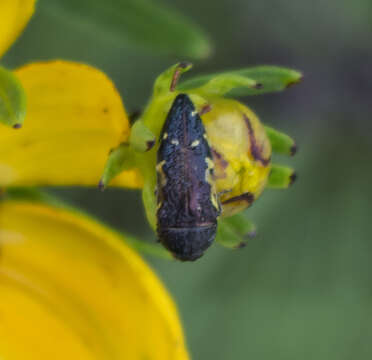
{"points": [[205, 109]]}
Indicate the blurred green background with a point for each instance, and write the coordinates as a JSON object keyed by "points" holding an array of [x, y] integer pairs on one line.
{"points": [[302, 289]]}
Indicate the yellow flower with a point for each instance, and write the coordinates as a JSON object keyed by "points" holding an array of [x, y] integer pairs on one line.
{"points": [[70, 287], [74, 117], [15, 15]]}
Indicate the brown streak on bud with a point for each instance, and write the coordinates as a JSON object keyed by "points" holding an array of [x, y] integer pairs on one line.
{"points": [[220, 164], [217, 157], [205, 109], [248, 197], [177, 74], [256, 150]]}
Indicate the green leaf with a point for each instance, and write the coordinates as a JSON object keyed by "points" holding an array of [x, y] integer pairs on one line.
{"points": [[233, 232], [143, 23], [270, 79], [12, 100]]}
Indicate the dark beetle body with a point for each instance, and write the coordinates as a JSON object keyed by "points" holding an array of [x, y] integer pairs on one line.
{"points": [[187, 203]]}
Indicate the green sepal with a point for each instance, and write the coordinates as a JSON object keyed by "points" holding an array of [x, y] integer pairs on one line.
{"points": [[141, 138], [281, 143], [149, 202], [198, 101], [234, 231], [12, 100], [168, 79], [224, 83], [270, 78], [281, 177], [120, 159]]}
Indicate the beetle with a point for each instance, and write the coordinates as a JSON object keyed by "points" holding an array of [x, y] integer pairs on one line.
{"points": [[187, 202]]}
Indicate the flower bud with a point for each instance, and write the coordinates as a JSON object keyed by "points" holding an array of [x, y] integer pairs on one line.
{"points": [[241, 152]]}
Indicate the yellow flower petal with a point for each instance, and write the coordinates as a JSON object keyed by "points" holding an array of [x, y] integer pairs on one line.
{"points": [[15, 14], [75, 116], [71, 289]]}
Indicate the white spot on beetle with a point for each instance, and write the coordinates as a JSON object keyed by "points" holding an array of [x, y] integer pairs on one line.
{"points": [[159, 169], [159, 166], [210, 181], [175, 142], [195, 143]]}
